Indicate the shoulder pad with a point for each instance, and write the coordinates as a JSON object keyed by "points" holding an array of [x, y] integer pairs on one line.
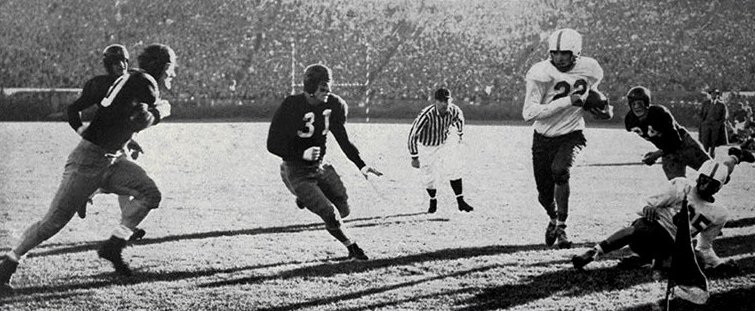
{"points": [[539, 72]]}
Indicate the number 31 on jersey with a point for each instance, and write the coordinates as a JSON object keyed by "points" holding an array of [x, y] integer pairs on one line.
{"points": [[309, 124]]}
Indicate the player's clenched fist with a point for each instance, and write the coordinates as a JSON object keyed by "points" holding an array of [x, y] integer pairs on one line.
{"points": [[141, 118], [311, 154], [415, 162]]}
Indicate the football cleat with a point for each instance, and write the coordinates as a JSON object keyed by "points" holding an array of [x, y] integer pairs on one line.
{"points": [[579, 262], [464, 207], [111, 251], [550, 234], [138, 234], [7, 268], [561, 240], [356, 253], [433, 206]]}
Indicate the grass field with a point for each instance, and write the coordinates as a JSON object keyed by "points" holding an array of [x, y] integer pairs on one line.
{"points": [[228, 235]]}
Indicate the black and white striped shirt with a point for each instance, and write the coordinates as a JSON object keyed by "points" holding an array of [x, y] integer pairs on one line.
{"points": [[431, 129]]}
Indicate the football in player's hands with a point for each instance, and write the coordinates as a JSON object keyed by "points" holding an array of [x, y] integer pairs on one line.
{"points": [[595, 100], [141, 118]]}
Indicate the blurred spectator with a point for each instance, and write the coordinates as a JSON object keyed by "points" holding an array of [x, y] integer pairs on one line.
{"points": [[713, 117]]}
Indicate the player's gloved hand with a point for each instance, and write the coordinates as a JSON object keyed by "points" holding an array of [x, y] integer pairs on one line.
{"points": [[134, 149], [367, 169], [164, 107], [602, 114], [141, 118], [651, 157], [415, 162], [311, 154], [576, 100]]}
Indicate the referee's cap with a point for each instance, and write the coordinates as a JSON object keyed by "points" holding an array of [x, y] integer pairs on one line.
{"points": [[442, 94]]}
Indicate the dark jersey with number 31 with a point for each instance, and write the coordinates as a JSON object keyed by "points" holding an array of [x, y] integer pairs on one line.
{"points": [[298, 125]]}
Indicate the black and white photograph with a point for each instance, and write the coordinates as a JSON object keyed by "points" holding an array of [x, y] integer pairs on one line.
{"points": [[359, 155]]}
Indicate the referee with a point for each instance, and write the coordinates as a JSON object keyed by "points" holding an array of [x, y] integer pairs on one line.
{"points": [[428, 137]]}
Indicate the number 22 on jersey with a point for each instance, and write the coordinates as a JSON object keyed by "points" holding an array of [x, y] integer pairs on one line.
{"points": [[309, 124], [564, 88]]}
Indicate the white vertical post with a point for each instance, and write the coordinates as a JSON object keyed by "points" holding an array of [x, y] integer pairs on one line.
{"points": [[293, 67]]}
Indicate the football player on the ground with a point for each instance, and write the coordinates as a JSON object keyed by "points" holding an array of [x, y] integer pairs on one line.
{"points": [[651, 237], [298, 133], [132, 104], [428, 137], [555, 100], [115, 58]]}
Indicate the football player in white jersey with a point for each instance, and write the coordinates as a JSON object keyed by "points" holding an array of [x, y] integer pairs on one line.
{"points": [[651, 237], [555, 100]]}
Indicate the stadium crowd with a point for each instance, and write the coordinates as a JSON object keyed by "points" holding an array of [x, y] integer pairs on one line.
{"points": [[246, 51]]}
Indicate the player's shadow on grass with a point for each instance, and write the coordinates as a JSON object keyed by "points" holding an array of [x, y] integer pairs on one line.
{"points": [[575, 284], [739, 299], [110, 279], [60, 249], [348, 267], [727, 246], [568, 282], [319, 270], [741, 223]]}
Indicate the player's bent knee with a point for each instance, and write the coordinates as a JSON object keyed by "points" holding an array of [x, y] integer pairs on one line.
{"points": [[343, 208], [148, 198], [561, 176]]}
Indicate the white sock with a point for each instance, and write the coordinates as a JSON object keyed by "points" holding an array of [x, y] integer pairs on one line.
{"points": [[347, 243], [560, 223], [122, 232]]}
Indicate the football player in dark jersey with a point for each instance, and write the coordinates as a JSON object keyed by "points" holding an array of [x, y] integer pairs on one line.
{"points": [[656, 124], [676, 146], [115, 58], [298, 133], [131, 104]]}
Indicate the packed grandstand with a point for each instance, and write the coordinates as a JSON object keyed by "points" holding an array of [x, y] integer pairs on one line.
{"points": [[389, 52]]}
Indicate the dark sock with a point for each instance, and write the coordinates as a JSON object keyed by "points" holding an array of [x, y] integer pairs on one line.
{"points": [[456, 186], [432, 193]]}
